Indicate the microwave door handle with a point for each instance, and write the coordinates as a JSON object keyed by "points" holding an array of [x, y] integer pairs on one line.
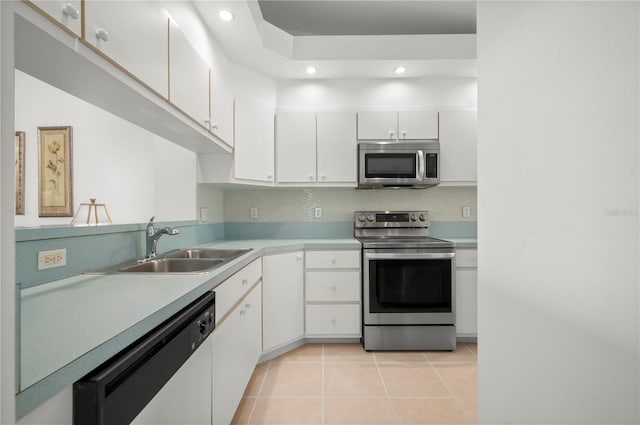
{"points": [[421, 166], [410, 256]]}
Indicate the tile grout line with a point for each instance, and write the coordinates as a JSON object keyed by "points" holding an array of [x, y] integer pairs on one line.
{"points": [[322, 395], [386, 390], [255, 404], [455, 398]]}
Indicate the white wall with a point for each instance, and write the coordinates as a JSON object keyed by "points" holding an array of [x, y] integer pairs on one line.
{"points": [[136, 173], [558, 212], [364, 94]]}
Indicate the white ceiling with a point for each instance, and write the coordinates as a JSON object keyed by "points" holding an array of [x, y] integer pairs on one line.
{"points": [[347, 39]]}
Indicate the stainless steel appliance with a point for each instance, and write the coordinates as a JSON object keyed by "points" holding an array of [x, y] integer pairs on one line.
{"points": [[398, 164], [408, 282], [116, 392]]}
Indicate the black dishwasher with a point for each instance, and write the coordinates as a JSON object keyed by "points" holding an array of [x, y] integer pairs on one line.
{"points": [[117, 391]]}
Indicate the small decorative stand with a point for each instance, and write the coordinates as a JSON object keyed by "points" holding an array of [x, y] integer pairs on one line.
{"points": [[92, 210]]}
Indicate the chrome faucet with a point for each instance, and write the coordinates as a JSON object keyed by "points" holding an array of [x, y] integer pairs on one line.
{"points": [[153, 236]]}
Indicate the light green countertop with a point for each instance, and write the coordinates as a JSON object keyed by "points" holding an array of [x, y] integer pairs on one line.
{"points": [[71, 326]]}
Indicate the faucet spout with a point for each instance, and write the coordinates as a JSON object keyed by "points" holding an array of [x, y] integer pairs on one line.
{"points": [[153, 236]]}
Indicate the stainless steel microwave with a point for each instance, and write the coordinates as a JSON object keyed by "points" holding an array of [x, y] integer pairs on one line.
{"points": [[398, 164]]}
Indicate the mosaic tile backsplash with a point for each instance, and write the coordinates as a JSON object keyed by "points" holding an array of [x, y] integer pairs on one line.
{"points": [[338, 205]]}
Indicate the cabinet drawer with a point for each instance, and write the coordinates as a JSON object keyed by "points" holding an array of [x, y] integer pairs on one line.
{"points": [[333, 259], [231, 290], [466, 257], [328, 320], [333, 286]]}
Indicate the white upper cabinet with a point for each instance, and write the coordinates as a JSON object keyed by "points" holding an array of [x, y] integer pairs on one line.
{"points": [[316, 148], [222, 105], [337, 147], [397, 126], [133, 35], [188, 79], [458, 147], [296, 147], [417, 125], [68, 13], [254, 145], [377, 125]]}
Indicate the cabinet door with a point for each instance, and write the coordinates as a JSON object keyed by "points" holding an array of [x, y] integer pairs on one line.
{"points": [[222, 105], [186, 397], [134, 35], [296, 147], [283, 302], [253, 151], [377, 125], [188, 78], [458, 146], [466, 302], [237, 346], [413, 125], [68, 13], [337, 147]]}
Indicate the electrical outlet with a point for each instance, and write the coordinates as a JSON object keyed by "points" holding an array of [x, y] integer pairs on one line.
{"points": [[51, 259], [253, 213], [317, 213], [466, 212], [204, 214]]}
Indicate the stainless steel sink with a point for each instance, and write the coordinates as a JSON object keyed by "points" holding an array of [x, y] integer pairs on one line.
{"points": [[187, 261], [173, 265], [223, 254]]}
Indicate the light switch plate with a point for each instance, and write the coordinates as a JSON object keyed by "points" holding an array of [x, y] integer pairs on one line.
{"points": [[466, 212], [317, 212]]}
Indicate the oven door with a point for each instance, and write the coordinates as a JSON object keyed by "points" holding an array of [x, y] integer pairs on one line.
{"points": [[409, 287]]}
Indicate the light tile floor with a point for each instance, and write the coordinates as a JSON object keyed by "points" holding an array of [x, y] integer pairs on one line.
{"points": [[343, 384]]}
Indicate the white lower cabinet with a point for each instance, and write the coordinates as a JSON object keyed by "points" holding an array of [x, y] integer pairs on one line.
{"points": [[283, 300], [237, 345], [466, 292], [332, 294]]}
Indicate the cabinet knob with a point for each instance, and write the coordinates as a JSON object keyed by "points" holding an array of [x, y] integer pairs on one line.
{"points": [[247, 306], [245, 282], [332, 286], [102, 34], [269, 177], [404, 134], [392, 134], [299, 257], [214, 126], [323, 177], [333, 321], [311, 178], [333, 260], [71, 11]]}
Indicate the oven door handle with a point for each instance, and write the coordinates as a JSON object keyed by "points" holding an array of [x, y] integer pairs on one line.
{"points": [[410, 256]]}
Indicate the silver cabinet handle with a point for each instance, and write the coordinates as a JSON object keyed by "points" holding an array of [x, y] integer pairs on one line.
{"points": [[102, 34], [71, 11]]}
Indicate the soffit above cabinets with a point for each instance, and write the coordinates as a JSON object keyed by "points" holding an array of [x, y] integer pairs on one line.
{"points": [[429, 38]]}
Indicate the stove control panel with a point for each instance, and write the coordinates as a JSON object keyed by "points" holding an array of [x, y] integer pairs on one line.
{"points": [[373, 219]]}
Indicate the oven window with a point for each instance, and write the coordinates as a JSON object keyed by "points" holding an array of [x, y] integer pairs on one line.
{"points": [[410, 286], [390, 165]]}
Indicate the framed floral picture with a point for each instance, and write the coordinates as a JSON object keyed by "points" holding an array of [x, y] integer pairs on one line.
{"points": [[55, 172], [19, 172]]}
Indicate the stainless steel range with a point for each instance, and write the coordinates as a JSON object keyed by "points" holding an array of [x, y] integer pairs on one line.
{"points": [[408, 282]]}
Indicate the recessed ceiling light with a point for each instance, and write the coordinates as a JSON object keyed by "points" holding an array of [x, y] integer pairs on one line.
{"points": [[400, 70], [311, 70], [225, 15]]}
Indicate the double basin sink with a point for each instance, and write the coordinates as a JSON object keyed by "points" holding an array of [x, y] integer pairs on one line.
{"points": [[193, 260]]}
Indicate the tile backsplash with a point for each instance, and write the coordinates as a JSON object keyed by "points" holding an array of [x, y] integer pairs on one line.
{"points": [[298, 204]]}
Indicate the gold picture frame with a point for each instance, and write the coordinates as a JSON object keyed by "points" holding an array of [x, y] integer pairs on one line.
{"points": [[55, 172], [19, 155]]}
